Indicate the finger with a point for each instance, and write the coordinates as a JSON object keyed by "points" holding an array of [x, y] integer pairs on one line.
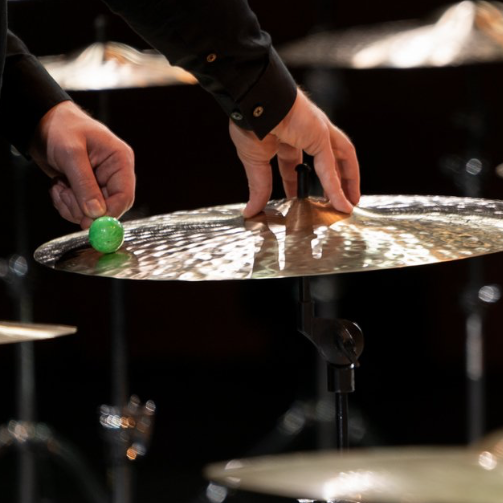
{"points": [[350, 185], [82, 181], [59, 204], [117, 205], [117, 180], [69, 200], [325, 167], [288, 159], [348, 164], [86, 222], [260, 187]]}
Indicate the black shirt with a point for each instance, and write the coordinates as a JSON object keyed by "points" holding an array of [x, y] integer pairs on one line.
{"points": [[219, 41]]}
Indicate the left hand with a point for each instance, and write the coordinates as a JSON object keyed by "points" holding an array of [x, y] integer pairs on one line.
{"points": [[93, 169], [305, 128]]}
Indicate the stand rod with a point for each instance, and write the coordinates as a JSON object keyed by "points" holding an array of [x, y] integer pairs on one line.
{"points": [[341, 421]]}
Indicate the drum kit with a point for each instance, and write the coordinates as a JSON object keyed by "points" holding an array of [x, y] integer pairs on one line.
{"points": [[304, 237]]}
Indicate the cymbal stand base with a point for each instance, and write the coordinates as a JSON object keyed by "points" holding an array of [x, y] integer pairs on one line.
{"points": [[37, 439]]}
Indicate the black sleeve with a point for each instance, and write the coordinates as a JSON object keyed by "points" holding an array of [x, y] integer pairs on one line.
{"points": [[220, 42], [28, 92]]}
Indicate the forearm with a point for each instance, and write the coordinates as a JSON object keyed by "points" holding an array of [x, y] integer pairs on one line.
{"points": [[28, 92], [220, 42]]}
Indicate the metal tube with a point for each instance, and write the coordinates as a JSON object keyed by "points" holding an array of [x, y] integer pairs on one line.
{"points": [[341, 421]]}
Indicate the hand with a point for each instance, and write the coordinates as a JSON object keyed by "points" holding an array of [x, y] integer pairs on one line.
{"points": [[305, 128], [93, 170]]}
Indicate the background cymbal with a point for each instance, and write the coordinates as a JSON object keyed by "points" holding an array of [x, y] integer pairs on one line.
{"points": [[22, 332], [412, 474], [113, 65], [290, 238], [465, 33]]}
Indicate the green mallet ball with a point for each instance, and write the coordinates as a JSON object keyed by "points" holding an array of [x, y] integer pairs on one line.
{"points": [[106, 234]]}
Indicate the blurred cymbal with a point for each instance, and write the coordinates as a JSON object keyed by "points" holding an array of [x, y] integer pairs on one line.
{"points": [[290, 238], [466, 33], [113, 65], [390, 475], [24, 332]]}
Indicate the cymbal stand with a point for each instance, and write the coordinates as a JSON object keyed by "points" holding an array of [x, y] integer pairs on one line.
{"points": [[339, 342]]}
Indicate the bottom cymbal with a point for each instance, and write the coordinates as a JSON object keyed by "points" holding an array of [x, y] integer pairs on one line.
{"points": [[23, 332], [392, 475]]}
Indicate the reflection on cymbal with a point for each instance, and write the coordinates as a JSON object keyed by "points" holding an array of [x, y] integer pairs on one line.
{"points": [[23, 332], [464, 34], [113, 65], [291, 237], [390, 475]]}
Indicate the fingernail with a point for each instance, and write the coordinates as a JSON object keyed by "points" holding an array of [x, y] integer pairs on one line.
{"points": [[95, 208], [345, 208]]}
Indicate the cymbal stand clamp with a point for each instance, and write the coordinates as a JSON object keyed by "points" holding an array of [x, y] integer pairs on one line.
{"points": [[340, 343]]}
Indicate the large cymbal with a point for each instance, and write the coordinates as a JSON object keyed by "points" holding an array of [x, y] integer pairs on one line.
{"points": [[113, 65], [24, 332], [389, 475], [465, 33], [290, 238]]}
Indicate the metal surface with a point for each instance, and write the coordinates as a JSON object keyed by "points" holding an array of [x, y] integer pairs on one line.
{"points": [[113, 65], [290, 238], [392, 475], [466, 33], [23, 332]]}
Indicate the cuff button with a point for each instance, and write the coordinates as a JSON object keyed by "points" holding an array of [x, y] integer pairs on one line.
{"points": [[258, 111]]}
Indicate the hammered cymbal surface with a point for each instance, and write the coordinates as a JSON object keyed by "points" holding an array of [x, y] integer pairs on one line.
{"points": [[384, 475], [11, 332], [292, 237]]}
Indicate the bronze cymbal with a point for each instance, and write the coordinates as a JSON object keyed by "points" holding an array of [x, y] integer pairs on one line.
{"points": [[23, 332], [387, 475], [290, 238], [465, 33], [113, 65]]}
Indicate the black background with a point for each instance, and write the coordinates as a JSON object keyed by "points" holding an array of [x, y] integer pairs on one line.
{"points": [[222, 360]]}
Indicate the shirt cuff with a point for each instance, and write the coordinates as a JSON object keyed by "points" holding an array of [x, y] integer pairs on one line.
{"points": [[267, 102]]}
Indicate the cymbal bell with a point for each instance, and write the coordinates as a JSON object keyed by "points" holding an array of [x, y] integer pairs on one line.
{"points": [[113, 65], [466, 33], [290, 238], [385, 475], [11, 332]]}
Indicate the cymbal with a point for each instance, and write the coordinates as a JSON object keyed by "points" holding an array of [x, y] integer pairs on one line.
{"points": [[23, 332], [465, 33], [113, 65], [391, 475], [290, 238]]}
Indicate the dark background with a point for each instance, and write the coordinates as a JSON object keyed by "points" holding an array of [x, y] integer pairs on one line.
{"points": [[222, 360]]}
